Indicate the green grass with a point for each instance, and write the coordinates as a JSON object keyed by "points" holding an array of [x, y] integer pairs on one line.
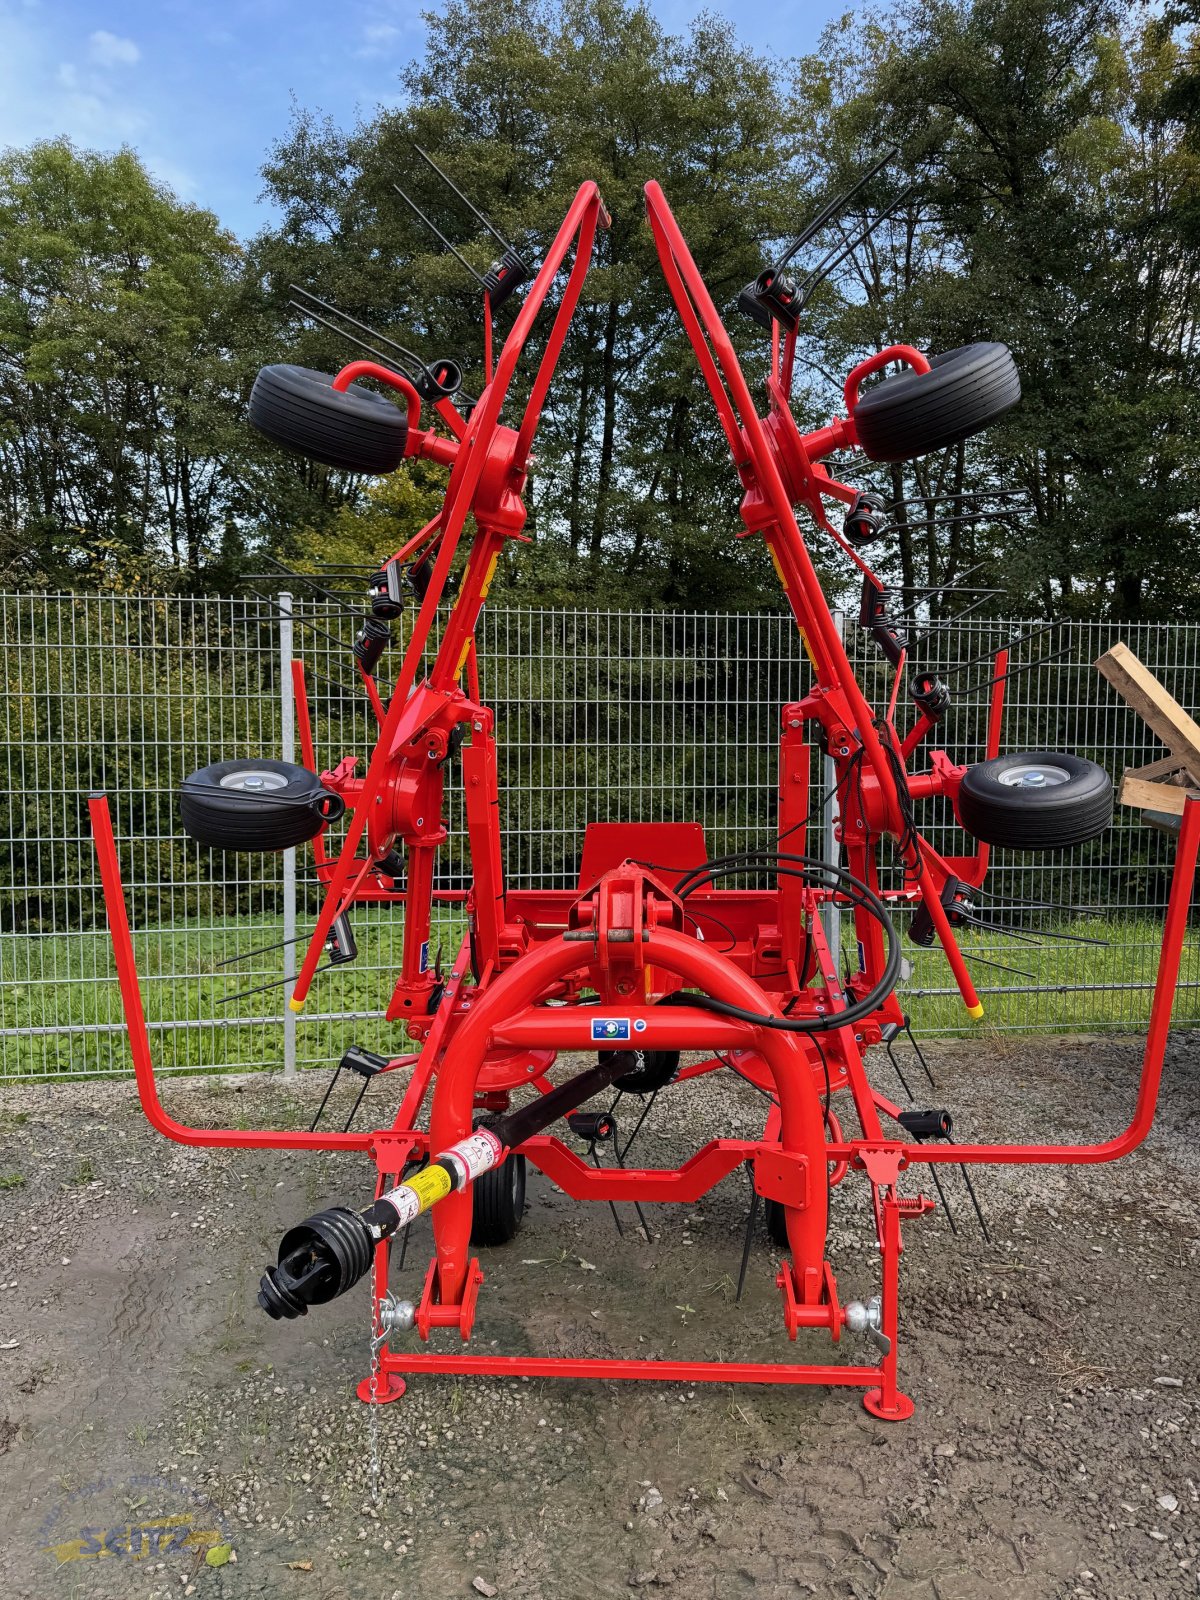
{"points": [[1067, 986], [64, 986], [63, 989]]}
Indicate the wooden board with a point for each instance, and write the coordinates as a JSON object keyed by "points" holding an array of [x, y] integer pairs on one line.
{"points": [[1137, 685], [1168, 797]]}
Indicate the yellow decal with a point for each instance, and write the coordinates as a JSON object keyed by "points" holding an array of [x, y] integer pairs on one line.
{"points": [[489, 575], [462, 660], [778, 568], [430, 1185], [808, 649]]}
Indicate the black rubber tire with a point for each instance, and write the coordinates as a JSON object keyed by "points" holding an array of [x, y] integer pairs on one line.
{"points": [[498, 1202], [912, 413], [776, 1220], [358, 430], [648, 1069], [292, 806], [1076, 808]]}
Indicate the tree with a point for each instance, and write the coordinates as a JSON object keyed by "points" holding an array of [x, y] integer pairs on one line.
{"points": [[1046, 171], [633, 496], [120, 373]]}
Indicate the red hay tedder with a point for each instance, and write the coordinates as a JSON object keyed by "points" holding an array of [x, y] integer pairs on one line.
{"points": [[619, 967]]}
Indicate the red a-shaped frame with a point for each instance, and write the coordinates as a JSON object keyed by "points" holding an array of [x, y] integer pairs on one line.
{"points": [[488, 469], [762, 451]]}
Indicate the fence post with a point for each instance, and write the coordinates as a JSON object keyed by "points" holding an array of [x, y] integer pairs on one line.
{"points": [[831, 914], [287, 752]]}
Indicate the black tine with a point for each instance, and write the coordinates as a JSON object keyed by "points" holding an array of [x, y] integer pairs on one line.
{"points": [[834, 258], [440, 236], [1015, 672], [388, 361], [983, 1227], [337, 1072], [595, 1155], [988, 655], [1032, 935], [276, 983], [296, 617], [637, 1204], [340, 601], [470, 205], [638, 1126], [937, 1183], [364, 327], [959, 494], [928, 594], [974, 956], [263, 950], [896, 1067], [749, 1239], [833, 207], [912, 1039], [357, 1103], [949, 622]]}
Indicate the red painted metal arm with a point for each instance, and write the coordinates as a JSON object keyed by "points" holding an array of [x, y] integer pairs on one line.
{"points": [[586, 210], [774, 515], [876, 363], [372, 369], [139, 1037], [1174, 932]]}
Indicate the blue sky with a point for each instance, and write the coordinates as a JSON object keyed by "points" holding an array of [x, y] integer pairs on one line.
{"points": [[200, 90]]}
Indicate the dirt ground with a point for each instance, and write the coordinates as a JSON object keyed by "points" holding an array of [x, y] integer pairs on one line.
{"points": [[152, 1420]]}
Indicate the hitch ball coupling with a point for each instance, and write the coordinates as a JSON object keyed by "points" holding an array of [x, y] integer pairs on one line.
{"points": [[868, 1319]]}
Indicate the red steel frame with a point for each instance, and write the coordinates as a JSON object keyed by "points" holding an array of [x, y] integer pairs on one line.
{"points": [[623, 934]]}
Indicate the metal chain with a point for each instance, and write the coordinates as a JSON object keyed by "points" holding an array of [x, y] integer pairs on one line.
{"points": [[378, 1339]]}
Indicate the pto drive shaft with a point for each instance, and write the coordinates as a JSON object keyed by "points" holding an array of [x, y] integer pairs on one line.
{"points": [[327, 1254]]}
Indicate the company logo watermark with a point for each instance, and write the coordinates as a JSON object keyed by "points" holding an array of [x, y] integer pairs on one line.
{"points": [[133, 1519]]}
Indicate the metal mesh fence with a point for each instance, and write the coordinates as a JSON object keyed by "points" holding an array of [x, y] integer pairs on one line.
{"points": [[600, 716]]}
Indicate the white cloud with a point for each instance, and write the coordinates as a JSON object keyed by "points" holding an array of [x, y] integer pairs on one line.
{"points": [[379, 39], [107, 50]]}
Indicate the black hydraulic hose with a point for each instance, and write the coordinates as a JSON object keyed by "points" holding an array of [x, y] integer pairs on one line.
{"points": [[798, 866]]}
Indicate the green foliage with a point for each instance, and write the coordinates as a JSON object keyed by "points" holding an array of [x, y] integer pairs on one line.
{"points": [[119, 375], [1053, 147], [1047, 173]]}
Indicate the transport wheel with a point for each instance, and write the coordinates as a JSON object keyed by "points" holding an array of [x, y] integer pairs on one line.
{"points": [[498, 1202], [256, 804], [358, 430], [1036, 801], [647, 1070], [912, 413]]}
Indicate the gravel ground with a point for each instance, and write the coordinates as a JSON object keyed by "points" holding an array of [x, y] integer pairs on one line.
{"points": [[153, 1421]]}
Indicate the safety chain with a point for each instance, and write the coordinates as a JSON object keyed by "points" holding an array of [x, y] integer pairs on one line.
{"points": [[378, 1340]]}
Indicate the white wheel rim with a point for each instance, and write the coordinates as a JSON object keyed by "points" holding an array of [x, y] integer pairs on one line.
{"points": [[254, 780], [1034, 775]]}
